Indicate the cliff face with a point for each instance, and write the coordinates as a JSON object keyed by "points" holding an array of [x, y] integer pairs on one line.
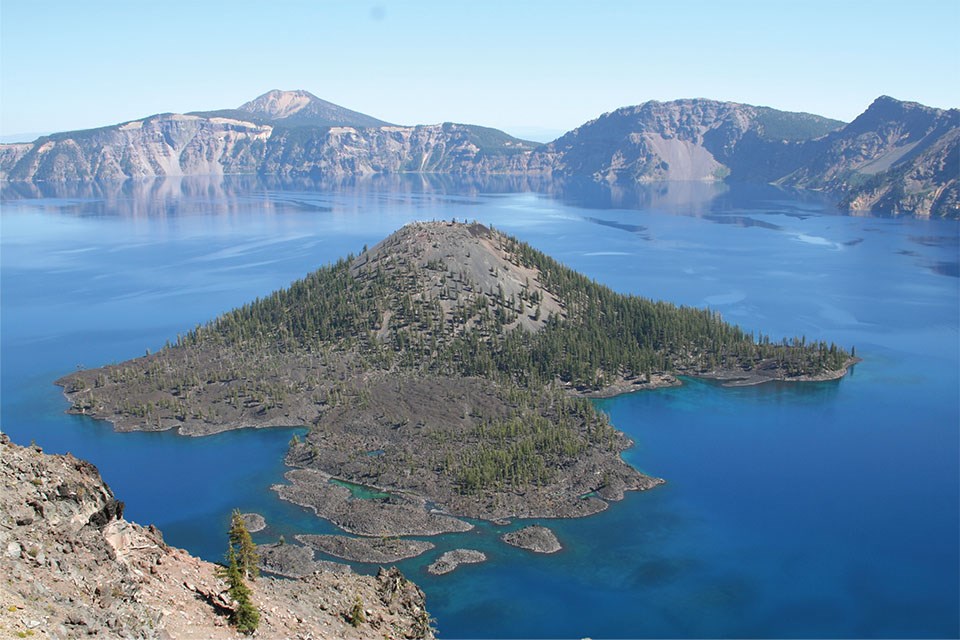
{"points": [[180, 145], [352, 151], [74, 567], [897, 157], [162, 145], [680, 140]]}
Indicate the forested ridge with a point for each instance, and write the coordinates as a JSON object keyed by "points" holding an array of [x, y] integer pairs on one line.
{"points": [[600, 334]]}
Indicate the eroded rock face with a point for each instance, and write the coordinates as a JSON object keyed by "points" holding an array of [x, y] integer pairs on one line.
{"points": [[73, 567]]}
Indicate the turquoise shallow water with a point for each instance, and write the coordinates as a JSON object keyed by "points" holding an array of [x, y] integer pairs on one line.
{"points": [[817, 510]]}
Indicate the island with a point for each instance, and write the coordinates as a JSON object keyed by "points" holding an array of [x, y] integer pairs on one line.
{"points": [[533, 538], [369, 550], [450, 560], [446, 369], [294, 561], [254, 522]]}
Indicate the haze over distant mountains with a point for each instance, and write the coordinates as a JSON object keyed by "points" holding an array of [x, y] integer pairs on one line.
{"points": [[897, 157]]}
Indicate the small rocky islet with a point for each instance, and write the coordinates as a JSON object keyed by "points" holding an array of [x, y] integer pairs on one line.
{"points": [[536, 538], [450, 560], [368, 550], [254, 522]]}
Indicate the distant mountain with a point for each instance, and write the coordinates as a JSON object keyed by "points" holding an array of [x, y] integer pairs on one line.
{"points": [[296, 109], [897, 157], [681, 140], [286, 133]]}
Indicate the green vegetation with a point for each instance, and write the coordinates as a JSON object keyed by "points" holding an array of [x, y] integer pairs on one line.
{"points": [[242, 544], [491, 140], [241, 565], [356, 616], [790, 126], [604, 334]]}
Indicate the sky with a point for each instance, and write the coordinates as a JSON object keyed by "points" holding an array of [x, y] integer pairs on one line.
{"points": [[530, 67]]}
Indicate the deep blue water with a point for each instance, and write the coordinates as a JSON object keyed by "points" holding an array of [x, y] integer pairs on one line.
{"points": [[816, 510]]}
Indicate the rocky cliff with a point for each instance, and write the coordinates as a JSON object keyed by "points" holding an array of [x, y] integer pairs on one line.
{"points": [[161, 145], [73, 567], [282, 133], [680, 140], [898, 157]]}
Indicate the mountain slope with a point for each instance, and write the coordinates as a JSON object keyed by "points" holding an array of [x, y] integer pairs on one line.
{"points": [[897, 157], [73, 567], [296, 109], [161, 145], [679, 140], [348, 151], [289, 133], [444, 365], [900, 157]]}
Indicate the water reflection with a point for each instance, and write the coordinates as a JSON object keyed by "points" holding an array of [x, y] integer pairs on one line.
{"points": [[194, 194]]}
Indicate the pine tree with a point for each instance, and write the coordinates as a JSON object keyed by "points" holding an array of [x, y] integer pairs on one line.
{"points": [[245, 617], [241, 544]]}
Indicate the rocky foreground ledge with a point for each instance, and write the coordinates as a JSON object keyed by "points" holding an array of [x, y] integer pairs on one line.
{"points": [[72, 567]]}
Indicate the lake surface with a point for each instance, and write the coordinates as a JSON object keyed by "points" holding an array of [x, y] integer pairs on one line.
{"points": [[814, 510]]}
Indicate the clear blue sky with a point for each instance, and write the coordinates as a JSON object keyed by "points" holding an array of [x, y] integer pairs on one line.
{"points": [[517, 65]]}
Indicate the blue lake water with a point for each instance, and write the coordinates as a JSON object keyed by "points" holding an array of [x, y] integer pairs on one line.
{"points": [[816, 510]]}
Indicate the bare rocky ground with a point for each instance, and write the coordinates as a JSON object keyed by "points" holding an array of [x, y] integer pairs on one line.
{"points": [[379, 550], [453, 559], [295, 561], [71, 567], [398, 517], [533, 538]]}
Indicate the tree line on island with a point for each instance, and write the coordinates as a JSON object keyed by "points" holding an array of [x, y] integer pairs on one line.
{"points": [[604, 334]]}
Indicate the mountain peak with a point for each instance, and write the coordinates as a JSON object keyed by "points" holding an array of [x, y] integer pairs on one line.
{"points": [[277, 104], [302, 108], [912, 116]]}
